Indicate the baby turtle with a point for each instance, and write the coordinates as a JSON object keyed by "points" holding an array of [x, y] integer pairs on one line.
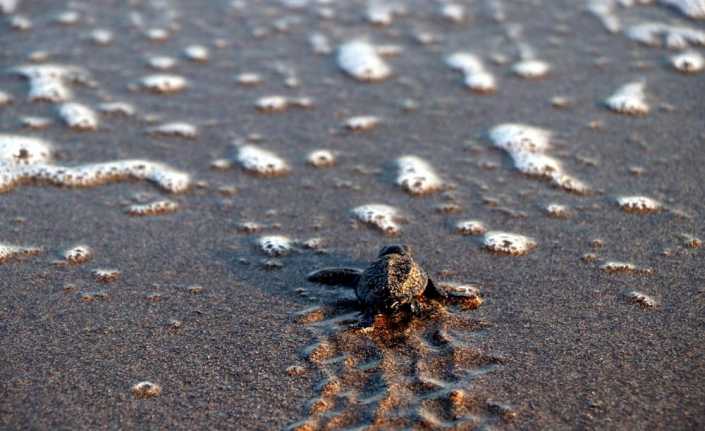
{"points": [[391, 283]]}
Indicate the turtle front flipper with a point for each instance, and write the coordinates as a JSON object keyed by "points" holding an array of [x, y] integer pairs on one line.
{"points": [[434, 292], [348, 277]]}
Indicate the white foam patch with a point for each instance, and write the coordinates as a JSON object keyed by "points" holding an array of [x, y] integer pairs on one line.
{"points": [[688, 62], [175, 129], [275, 245], [78, 116], [102, 37], [8, 6], [639, 204], [117, 108], [146, 390], [25, 160], [161, 62], [477, 78], [321, 158], [260, 161], [604, 11], [526, 145], [640, 298], [5, 99], [360, 60], [416, 176], [47, 82], [197, 53], [278, 103], [382, 12], [453, 12], [362, 122], [531, 69], [558, 210], [675, 37], [471, 227], [460, 290], [106, 275], [629, 99], [163, 206], [383, 217], [616, 266], [320, 44], [9, 251], [248, 78], [691, 8], [164, 84], [19, 22], [78, 254], [508, 243]]}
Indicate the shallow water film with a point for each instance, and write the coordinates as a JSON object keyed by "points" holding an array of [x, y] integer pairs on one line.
{"points": [[171, 171]]}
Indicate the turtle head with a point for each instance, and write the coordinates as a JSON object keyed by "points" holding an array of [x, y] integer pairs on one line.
{"points": [[400, 249]]}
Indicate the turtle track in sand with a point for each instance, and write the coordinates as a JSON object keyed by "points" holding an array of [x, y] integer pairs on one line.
{"points": [[414, 374]]}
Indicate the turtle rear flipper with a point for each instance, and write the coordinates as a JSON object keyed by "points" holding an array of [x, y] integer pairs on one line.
{"points": [[348, 277], [434, 292]]}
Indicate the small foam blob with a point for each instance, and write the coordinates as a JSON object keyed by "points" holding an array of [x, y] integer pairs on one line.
{"points": [[694, 9], [278, 103], [161, 62], [321, 158], [78, 116], [102, 37], [526, 145], [531, 69], [248, 78], [158, 207], [47, 82], [175, 129], [106, 275], [477, 78], [10, 252], [453, 12], [416, 176], [470, 227], [361, 123], [260, 161], [642, 299], [508, 243], [197, 53], [688, 62], [78, 254], [164, 84], [676, 37], [383, 217], [629, 99], [639, 204], [117, 108], [360, 60], [275, 245], [382, 12], [5, 99], [558, 211], [146, 389], [320, 44]]}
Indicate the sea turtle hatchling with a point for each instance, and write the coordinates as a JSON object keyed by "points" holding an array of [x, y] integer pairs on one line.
{"points": [[393, 282]]}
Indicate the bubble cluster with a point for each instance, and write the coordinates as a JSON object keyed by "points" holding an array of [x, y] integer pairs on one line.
{"points": [[558, 211], [531, 69], [164, 84], [383, 217], [453, 12], [382, 12], [527, 145], [636, 297], [281, 103], [361, 123], [470, 227], [639, 204], [162, 206], [78, 254], [261, 162], [688, 62], [106, 275], [629, 99], [47, 82], [477, 78], [146, 389], [175, 129], [416, 176], [691, 8], [321, 158], [78, 116], [675, 37], [275, 245], [508, 243], [197, 53], [360, 60], [9, 251]]}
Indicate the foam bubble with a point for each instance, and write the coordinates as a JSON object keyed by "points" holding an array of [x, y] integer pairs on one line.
{"points": [[157, 34], [416, 176], [197, 53], [360, 60], [8, 6], [691, 8], [102, 37], [106, 275], [383, 217], [47, 82], [20, 23], [636, 297], [162, 206], [248, 78], [321, 158], [531, 69], [275, 245], [508, 243], [558, 211], [117, 108], [476, 76], [526, 145], [604, 11], [25, 160], [175, 129], [625, 267], [35, 123], [629, 99], [163, 83], [361, 123], [382, 12], [9, 251], [281, 103], [453, 12], [78, 254], [146, 389], [470, 227], [676, 37], [320, 44], [161, 62], [5, 99], [688, 62], [78, 116], [68, 17], [260, 161], [639, 204]]}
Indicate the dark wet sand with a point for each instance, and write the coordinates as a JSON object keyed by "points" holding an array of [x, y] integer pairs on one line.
{"points": [[575, 354]]}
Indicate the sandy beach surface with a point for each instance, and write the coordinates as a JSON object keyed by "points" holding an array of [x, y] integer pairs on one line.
{"points": [[599, 325]]}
